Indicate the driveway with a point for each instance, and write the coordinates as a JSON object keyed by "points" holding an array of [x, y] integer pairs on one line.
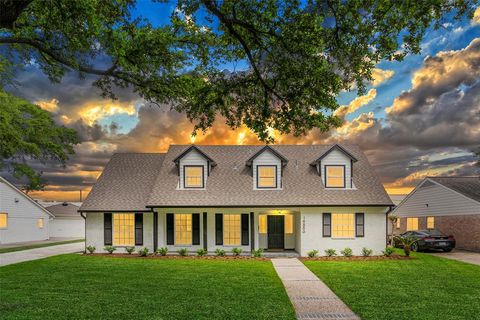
{"points": [[39, 253], [460, 255]]}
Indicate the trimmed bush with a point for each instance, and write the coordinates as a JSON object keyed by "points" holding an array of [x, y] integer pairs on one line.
{"points": [[201, 252], [330, 252], [347, 252], [313, 253], [110, 249], [389, 250], [183, 252], [366, 252], [237, 251], [129, 249], [91, 249], [220, 252], [143, 252], [257, 253], [162, 251]]}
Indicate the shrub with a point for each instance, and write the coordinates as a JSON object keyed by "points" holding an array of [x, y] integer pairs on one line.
{"points": [[313, 253], [366, 252], [237, 251], [389, 250], [330, 252], [347, 252], [183, 252], [407, 243], [162, 251], [220, 252], [110, 249], [129, 249], [143, 252], [91, 249], [257, 253], [201, 252]]}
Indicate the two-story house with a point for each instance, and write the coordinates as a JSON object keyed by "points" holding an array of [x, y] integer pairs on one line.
{"points": [[282, 197]]}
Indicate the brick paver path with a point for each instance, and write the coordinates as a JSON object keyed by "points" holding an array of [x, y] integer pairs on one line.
{"points": [[310, 297]]}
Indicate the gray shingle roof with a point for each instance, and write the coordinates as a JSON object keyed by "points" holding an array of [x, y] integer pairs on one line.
{"points": [[64, 210], [125, 184], [230, 181], [468, 186]]}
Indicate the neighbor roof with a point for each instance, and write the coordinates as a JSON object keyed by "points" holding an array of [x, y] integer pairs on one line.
{"points": [[230, 182], [125, 184], [468, 186], [64, 209]]}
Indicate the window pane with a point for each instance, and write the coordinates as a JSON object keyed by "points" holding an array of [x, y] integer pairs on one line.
{"points": [[335, 176], [412, 224], [40, 223], [343, 225], [3, 220], [262, 224], [267, 176], [194, 177], [430, 222], [183, 229], [289, 224], [398, 223], [231, 229], [123, 229]]}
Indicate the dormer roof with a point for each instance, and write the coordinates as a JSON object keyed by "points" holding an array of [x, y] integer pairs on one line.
{"points": [[193, 147], [335, 147], [262, 150]]}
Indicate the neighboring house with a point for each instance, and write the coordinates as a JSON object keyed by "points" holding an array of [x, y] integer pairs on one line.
{"points": [[68, 223], [449, 204], [285, 197], [21, 218]]}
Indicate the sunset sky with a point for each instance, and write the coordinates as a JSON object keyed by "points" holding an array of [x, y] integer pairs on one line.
{"points": [[419, 117]]}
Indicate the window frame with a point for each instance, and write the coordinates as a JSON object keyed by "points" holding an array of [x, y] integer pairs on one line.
{"points": [[344, 175], [116, 214], [416, 224], [185, 176], [175, 243], [433, 222], [239, 230], [332, 226], [42, 224], [275, 177], [6, 220]]}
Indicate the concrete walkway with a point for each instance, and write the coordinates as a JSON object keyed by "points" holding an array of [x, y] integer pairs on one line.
{"points": [[311, 298], [460, 255], [39, 253], [31, 243]]}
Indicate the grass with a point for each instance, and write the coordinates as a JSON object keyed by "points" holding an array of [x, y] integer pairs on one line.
{"points": [[40, 245], [425, 287], [101, 287]]}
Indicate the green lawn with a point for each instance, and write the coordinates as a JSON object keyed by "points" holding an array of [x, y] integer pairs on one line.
{"points": [[40, 245], [96, 287], [426, 287]]}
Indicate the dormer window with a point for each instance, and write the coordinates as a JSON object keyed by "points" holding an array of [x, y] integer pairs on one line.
{"points": [[194, 176], [266, 176], [334, 176]]}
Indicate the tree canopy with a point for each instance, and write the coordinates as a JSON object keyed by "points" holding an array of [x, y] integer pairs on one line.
{"points": [[27, 133], [300, 54]]}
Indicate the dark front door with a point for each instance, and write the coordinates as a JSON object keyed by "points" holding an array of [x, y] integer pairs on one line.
{"points": [[276, 232]]}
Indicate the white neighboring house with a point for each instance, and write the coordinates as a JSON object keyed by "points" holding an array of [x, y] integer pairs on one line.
{"points": [[68, 223], [284, 197], [21, 218]]}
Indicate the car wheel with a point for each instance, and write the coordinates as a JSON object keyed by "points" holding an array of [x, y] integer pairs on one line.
{"points": [[414, 246], [447, 250]]}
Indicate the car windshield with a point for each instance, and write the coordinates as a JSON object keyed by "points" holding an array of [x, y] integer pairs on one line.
{"points": [[431, 232]]}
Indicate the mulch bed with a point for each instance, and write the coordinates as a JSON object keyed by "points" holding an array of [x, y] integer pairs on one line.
{"points": [[357, 258], [174, 256]]}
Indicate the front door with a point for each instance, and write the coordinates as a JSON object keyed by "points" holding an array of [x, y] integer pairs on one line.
{"points": [[276, 232]]}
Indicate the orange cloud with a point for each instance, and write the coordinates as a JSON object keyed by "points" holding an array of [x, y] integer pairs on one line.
{"points": [[356, 103], [379, 76], [50, 106]]}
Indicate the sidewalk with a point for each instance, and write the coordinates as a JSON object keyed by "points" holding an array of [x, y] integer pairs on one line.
{"points": [[310, 297], [39, 253], [30, 243]]}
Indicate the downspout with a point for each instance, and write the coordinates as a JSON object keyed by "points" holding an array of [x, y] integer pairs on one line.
{"points": [[85, 243]]}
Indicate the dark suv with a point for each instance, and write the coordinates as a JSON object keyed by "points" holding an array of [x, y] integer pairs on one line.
{"points": [[428, 240]]}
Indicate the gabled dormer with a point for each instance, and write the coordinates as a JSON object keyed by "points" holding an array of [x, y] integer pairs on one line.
{"points": [[194, 167], [335, 167], [267, 169]]}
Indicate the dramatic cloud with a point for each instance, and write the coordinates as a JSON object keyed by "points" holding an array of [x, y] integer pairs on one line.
{"points": [[356, 103], [379, 76], [476, 16]]}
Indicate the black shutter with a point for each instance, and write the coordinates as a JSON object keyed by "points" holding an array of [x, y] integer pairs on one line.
{"points": [[196, 228], [218, 229], [327, 225], [359, 224], [205, 234], [139, 229], [244, 228], [170, 236], [107, 229]]}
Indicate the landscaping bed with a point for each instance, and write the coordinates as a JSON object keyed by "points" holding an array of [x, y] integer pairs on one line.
{"points": [[357, 258], [177, 256]]}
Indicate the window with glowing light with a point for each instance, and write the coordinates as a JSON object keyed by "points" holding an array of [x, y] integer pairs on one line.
{"points": [[3, 220], [123, 229], [40, 223], [231, 229], [430, 222], [398, 223], [412, 224], [262, 224], [193, 177], [183, 229], [343, 225], [335, 176], [288, 224], [266, 176]]}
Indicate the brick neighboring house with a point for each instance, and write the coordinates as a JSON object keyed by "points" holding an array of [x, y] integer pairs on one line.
{"points": [[449, 204]]}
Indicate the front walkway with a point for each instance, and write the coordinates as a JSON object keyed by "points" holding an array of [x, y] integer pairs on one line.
{"points": [[460, 255], [52, 240], [310, 297], [39, 253]]}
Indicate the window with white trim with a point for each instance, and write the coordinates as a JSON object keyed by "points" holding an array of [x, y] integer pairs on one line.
{"points": [[289, 224], [40, 223], [343, 225], [123, 229], [231, 229], [266, 176], [334, 176], [3, 220], [193, 177], [183, 229], [412, 224], [262, 224], [430, 222]]}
